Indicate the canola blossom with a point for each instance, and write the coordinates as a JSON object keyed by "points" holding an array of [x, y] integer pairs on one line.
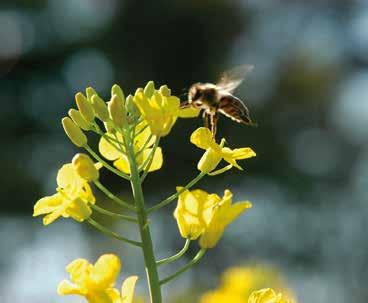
{"points": [[204, 215], [96, 281], [202, 138], [129, 130], [267, 295], [245, 283], [160, 109], [72, 199]]}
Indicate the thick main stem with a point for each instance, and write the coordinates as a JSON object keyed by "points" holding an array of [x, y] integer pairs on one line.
{"points": [[147, 247]]}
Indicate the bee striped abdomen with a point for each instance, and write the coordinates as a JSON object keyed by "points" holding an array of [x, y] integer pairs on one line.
{"points": [[235, 109]]}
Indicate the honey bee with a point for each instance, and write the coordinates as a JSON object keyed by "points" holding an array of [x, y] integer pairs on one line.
{"points": [[218, 98]]}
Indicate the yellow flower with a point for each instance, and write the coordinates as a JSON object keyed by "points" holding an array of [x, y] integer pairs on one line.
{"points": [[199, 214], [223, 213], [193, 212], [71, 200], [202, 138], [160, 109], [143, 140], [239, 282], [266, 295], [96, 282]]}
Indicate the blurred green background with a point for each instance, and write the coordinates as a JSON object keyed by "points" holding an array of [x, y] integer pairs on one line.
{"points": [[308, 93]]}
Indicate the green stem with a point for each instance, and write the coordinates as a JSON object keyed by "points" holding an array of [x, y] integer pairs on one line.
{"points": [[105, 164], [198, 256], [110, 233], [147, 246], [176, 256], [112, 214], [113, 197], [174, 196]]}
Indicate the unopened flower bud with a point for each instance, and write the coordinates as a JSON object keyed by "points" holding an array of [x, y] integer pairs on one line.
{"points": [[109, 126], [165, 91], [100, 108], [90, 92], [116, 90], [117, 111], [149, 89], [74, 132], [85, 108], [130, 106], [85, 167], [78, 119]]}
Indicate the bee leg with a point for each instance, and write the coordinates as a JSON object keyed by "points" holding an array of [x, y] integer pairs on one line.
{"points": [[214, 119], [205, 119]]}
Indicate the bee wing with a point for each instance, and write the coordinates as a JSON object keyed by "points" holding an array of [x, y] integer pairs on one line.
{"points": [[235, 109], [231, 79]]}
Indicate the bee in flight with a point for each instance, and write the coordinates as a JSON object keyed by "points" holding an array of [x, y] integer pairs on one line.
{"points": [[218, 98]]}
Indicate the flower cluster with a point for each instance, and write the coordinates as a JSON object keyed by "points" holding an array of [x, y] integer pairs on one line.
{"points": [[130, 129]]}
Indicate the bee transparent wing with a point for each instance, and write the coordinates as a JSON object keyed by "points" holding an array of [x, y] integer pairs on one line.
{"points": [[231, 79], [235, 109]]}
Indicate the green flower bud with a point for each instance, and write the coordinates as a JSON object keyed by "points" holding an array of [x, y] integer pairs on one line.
{"points": [[85, 108], [100, 108], [74, 132], [78, 119], [130, 105], [117, 111], [109, 126], [85, 167], [90, 92], [116, 90], [149, 89], [165, 91]]}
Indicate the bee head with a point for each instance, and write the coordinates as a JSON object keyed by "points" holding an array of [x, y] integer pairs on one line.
{"points": [[195, 92]]}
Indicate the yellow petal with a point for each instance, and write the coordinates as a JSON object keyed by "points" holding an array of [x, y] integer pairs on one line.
{"points": [[114, 295], [78, 210], [105, 271], [122, 164], [143, 136], [193, 212], [47, 205], [189, 112], [209, 161], [67, 288], [236, 210], [79, 270], [202, 138], [243, 153], [68, 178], [157, 158], [107, 150], [266, 295], [127, 289], [84, 167]]}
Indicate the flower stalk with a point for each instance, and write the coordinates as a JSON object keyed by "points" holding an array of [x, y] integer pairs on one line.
{"points": [[147, 246]]}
